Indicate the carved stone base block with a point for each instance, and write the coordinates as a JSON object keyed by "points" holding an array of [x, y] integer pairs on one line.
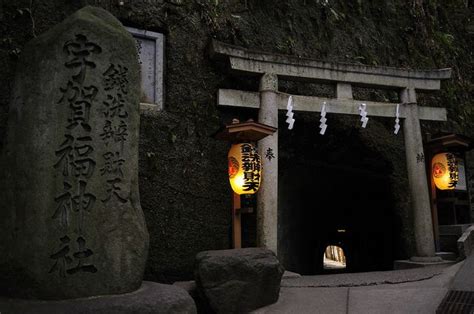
{"points": [[150, 298]]}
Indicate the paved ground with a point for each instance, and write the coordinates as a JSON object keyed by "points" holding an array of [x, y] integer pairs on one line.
{"points": [[404, 291], [330, 264]]}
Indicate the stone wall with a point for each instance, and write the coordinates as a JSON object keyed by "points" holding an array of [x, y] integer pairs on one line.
{"points": [[183, 181]]}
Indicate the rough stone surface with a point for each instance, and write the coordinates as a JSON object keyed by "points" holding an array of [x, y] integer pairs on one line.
{"points": [[464, 278], [71, 218], [150, 298], [240, 280], [465, 243], [188, 286], [419, 294], [267, 201], [191, 288], [290, 275], [407, 300], [309, 300], [409, 263], [420, 201]]}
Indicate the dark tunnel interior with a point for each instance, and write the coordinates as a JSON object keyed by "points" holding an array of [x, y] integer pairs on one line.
{"points": [[331, 205], [333, 193]]}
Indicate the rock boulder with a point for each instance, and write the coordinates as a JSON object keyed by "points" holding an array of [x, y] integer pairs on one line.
{"points": [[239, 280]]}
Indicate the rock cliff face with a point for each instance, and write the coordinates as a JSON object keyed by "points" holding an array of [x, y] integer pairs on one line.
{"points": [[183, 180]]}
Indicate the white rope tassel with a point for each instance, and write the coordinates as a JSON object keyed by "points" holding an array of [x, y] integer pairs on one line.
{"points": [[363, 115], [397, 120], [289, 113], [323, 126]]}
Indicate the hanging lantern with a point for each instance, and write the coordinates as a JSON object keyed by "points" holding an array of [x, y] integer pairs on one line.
{"points": [[244, 168], [444, 169]]}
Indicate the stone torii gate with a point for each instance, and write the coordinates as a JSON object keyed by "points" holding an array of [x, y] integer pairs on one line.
{"points": [[268, 100]]}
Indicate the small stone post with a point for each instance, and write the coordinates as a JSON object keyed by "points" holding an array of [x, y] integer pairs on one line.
{"points": [[267, 203], [425, 249]]}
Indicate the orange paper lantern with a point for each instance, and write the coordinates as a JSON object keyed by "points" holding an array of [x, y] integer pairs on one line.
{"points": [[444, 170], [245, 168]]}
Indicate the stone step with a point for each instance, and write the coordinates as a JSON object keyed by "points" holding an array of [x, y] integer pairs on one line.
{"points": [[447, 256], [290, 275], [449, 235], [407, 264], [448, 242]]}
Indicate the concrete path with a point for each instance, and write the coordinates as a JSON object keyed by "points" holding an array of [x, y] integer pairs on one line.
{"points": [[404, 291], [464, 280]]}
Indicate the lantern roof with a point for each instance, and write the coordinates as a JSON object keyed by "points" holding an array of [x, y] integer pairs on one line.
{"points": [[450, 142], [244, 131]]}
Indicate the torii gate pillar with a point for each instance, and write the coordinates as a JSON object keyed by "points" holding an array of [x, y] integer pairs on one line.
{"points": [[269, 100], [267, 199], [425, 248]]}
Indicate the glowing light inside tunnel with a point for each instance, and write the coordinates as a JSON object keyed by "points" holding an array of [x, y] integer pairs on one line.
{"points": [[334, 258]]}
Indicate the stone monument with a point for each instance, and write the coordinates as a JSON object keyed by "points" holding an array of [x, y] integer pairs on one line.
{"points": [[71, 221]]}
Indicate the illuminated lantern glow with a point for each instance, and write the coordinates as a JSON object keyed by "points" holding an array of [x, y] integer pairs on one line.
{"points": [[444, 170], [245, 168]]}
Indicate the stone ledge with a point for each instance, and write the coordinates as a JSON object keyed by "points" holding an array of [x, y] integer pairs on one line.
{"points": [[407, 264], [291, 67], [150, 298], [290, 275], [465, 243]]}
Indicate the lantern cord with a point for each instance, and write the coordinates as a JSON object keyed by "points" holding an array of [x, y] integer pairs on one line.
{"points": [[290, 113], [397, 119], [363, 115], [323, 126]]}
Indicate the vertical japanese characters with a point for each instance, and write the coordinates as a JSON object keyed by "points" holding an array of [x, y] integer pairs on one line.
{"points": [[75, 156], [74, 160], [251, 167], [115, 131], [453, 170]]}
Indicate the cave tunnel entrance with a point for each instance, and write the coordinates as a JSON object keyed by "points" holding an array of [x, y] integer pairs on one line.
{"points": [[331, 194]]}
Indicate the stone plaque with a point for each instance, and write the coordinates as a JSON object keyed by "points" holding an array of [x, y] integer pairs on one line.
{"points": [[150, 47], [71, 216], [462, 184]]}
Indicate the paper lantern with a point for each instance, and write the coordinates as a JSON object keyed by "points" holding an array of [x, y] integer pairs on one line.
{"points": [[444, 170], [244, 168]]}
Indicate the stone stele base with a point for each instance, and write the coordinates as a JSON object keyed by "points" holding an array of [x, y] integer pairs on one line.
{"points": [[150, 298], [410, 263]]}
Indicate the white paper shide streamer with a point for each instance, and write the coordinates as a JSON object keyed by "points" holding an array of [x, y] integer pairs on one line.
{"points": [[323, 126], [289, 113], [363, 115], [397, 120]]}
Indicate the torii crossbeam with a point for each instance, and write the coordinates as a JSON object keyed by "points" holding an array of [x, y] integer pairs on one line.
{"points": [[268, 100]]}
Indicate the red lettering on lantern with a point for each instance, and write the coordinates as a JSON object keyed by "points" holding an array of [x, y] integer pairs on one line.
{"points": [[438, 170], [233, 167]]}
